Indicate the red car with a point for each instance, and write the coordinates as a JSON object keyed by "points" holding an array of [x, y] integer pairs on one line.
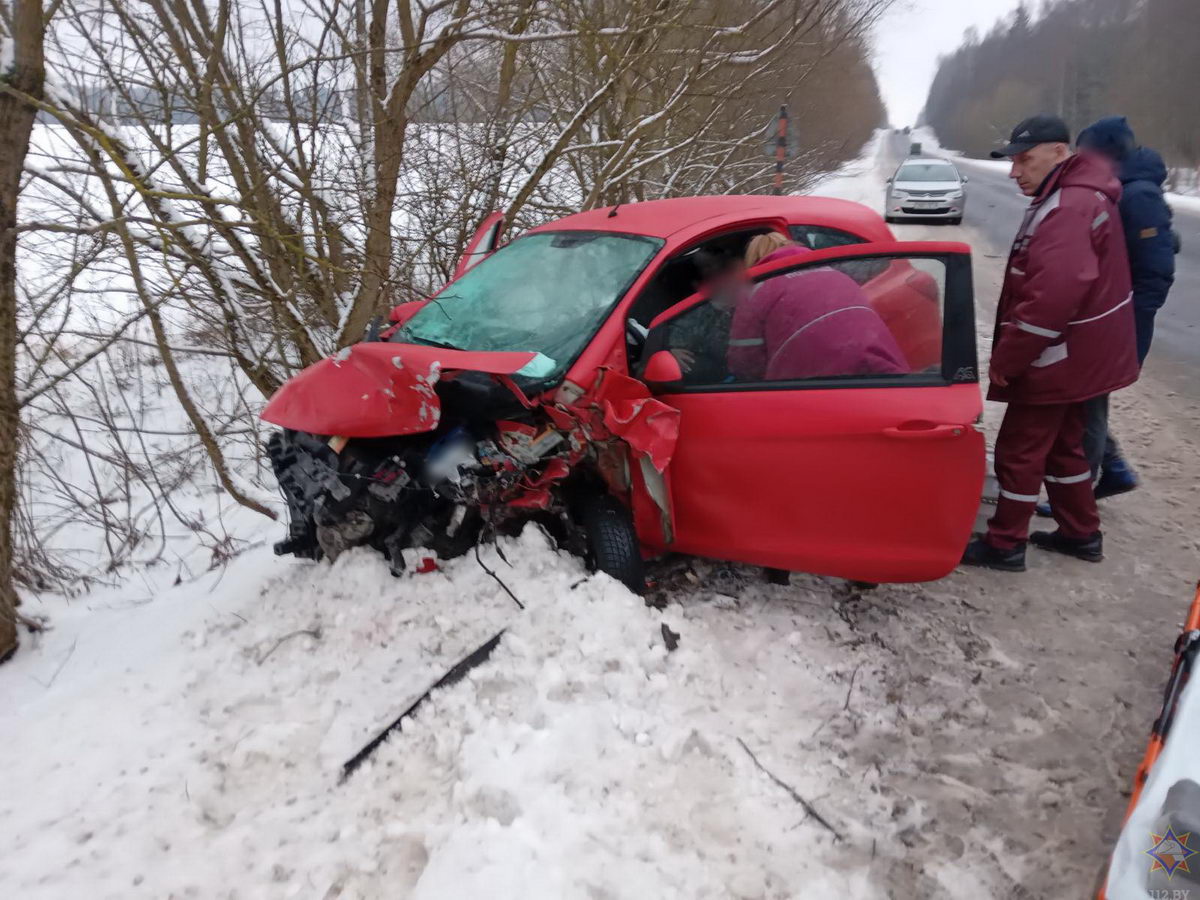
{"points": [[545, 382]]}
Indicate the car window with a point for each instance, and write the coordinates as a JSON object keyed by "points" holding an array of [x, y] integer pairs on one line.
{"points": [[926, 171], [545, 293], [815, 324], [699, 339], [819, 237]]}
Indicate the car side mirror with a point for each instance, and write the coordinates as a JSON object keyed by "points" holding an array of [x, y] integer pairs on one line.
{"points": [[405, 311], [965, 179], [662, 371], [889, 181]]}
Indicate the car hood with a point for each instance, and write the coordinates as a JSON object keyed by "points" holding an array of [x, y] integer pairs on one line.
{"points": [[926, 185], [378, 389]]}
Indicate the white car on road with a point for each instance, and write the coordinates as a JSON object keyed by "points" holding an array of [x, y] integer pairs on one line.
{"points": [[926, 188]]}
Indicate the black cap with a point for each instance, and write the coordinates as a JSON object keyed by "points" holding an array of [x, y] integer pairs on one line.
{"points": [[1033, 131]]}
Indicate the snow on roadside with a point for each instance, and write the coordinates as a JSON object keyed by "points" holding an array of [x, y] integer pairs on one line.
{"points": [[930, 144], [924, 135], [1184, 201], [191, 747], [861, 180]]}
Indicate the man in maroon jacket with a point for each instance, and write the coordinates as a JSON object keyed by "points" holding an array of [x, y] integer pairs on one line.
{"points": [[1064, 334]]}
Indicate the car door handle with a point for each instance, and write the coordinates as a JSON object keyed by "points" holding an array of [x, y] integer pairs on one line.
{"points": [[923, 431]]}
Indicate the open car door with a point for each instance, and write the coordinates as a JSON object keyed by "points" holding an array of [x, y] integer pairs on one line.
{"points": [[858, 473], [485, 240]]}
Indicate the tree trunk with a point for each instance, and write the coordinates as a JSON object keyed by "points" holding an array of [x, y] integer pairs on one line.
{"points": [[27, 75]]}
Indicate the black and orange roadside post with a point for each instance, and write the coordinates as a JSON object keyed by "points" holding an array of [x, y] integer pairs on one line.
{"points": [[1187, 651], [781, 147]]}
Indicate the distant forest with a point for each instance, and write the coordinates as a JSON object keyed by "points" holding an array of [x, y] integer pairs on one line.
{"points": [[1080, 59]]}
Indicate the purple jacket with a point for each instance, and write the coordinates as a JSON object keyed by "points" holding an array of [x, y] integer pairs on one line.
{"points": [[809, 324]]}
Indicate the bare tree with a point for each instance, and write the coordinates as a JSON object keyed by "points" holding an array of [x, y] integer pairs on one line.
{"points": [[22, 74]]}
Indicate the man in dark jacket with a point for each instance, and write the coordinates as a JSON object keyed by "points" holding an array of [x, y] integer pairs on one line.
{"points": [[1145, 216], [1064, 334], [1150, 242], [700, 340]]}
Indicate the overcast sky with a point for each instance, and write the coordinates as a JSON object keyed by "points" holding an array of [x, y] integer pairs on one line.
{"points": [[909, 39]]}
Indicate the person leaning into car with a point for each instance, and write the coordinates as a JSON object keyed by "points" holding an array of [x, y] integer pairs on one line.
{"points": [[808, 324], [1064, 334]]}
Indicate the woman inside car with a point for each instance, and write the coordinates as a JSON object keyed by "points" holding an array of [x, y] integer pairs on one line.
{"points": [[815, 323]]}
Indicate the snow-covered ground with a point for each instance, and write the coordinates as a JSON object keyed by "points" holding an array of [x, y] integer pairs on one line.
{"points": [[1184, 201], [969, 738], [862, 180], [191, 745]]}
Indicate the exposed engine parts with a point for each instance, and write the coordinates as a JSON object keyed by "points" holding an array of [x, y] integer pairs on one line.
{"points": [[427, 491], [436, 460]]}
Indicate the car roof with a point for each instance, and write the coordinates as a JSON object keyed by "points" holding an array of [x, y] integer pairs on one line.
{"points": [[665, 218], [926, 159]]}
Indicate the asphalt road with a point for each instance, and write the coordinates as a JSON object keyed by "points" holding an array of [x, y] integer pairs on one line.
{"points": [[994, 210]]}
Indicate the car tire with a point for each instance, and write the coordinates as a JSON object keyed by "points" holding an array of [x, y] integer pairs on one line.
{"points": [[957, 220], [889, 220], [612, 541]]}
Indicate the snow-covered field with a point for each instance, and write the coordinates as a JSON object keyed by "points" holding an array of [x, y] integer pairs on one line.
{"points": [[969, 738]]}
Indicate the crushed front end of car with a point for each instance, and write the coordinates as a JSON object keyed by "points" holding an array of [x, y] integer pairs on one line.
{"points": [[397, 446]]}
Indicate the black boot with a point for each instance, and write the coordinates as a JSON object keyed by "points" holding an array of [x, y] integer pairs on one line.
{"points": [[1089, 549], [980, 553], [1117, 477]]}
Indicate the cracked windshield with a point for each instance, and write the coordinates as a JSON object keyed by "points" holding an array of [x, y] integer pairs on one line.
{"points": [[544, 293]]}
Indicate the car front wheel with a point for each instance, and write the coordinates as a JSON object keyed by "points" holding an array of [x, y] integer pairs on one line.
{"points": [[612, 540]]}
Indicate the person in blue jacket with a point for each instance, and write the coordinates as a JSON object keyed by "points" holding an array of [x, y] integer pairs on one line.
{"points": [[1152, 245], [1144, 213]]}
